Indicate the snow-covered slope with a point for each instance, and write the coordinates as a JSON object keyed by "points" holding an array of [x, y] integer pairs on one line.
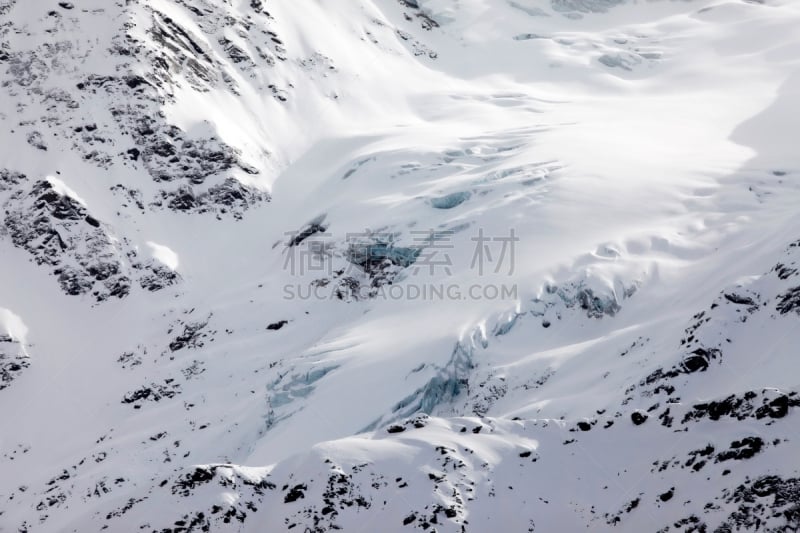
{"points": [[381, 265]]}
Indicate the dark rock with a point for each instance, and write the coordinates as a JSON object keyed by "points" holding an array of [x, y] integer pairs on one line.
{"points": [[295, 493], [136, 81], [789, 301], [73, 282], [154, 392], [776, 408], [698, 360], [158, 277], [183, 200], [58, 231], [234, 194], [756, 501], [191, 337], [36, 140], [12, 361], [305, 233], [10, 179], [740, 300], [741, 449], [743, 406], [188, 482]]}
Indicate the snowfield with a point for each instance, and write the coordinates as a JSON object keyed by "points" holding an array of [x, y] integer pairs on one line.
{"points": [[395, 265]]}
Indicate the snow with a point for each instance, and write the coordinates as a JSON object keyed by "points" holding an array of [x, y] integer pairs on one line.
{"points": [[64, 190], [13, 326], [164, 254], [642, 152]]}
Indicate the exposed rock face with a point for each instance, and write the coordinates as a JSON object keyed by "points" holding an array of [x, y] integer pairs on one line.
{"points": [[13, 361], [60, 233], [115, 119]]}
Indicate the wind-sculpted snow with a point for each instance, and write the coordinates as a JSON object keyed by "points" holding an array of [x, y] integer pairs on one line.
{"points": [[395, 265]]}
